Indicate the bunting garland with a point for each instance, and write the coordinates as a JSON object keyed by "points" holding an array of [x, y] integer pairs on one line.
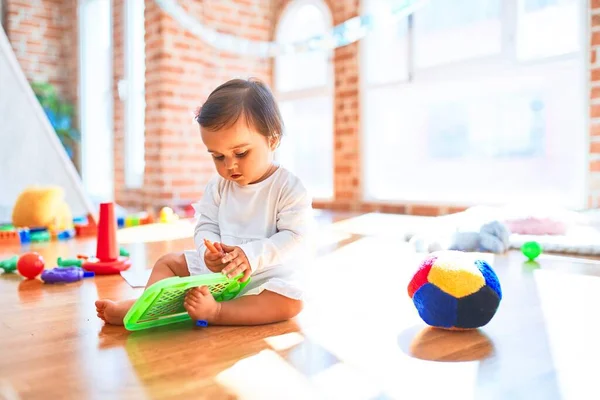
{"points": [[341, 35]]}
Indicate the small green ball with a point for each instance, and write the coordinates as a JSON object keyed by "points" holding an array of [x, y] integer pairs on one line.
{"points": [[531, 250]]}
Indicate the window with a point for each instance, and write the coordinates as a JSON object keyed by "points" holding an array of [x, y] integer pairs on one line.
{"points": [[491, 108], [548, 28], [95, 43], [377, 46], [304, 87], [447, 31], [133, 92]]}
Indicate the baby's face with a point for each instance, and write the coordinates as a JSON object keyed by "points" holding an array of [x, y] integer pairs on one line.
{"points": [[240, 153]]}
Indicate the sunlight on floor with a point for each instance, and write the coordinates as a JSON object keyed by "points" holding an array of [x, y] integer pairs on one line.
{"points": [[570, 306], [327, 237], [181, 229], [265, 375], [566, 258], [358, 315], [285, 341], [375, 224], [268, 376], [340, 381], [378, 359]]}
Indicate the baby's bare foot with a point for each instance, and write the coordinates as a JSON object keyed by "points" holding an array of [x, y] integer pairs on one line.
{"points": [[201, 305], [113, 312]]}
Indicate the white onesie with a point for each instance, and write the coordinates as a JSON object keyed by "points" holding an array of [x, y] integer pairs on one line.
{"points": [[271, 221]]}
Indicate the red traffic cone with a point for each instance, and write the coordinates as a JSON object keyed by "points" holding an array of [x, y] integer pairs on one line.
{"points": [[106, 246], [107, 259]]}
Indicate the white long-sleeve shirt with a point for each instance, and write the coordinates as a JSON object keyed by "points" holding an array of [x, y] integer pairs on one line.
{"points": [[270, 220]]}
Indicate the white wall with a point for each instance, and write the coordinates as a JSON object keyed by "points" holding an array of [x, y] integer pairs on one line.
{"points": [[30, 151]]}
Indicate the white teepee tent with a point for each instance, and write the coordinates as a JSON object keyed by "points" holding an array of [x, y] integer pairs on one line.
{"points": [[30, 151]]}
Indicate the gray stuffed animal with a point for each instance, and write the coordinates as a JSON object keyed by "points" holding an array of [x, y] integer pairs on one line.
{"points": [[492, 237]]}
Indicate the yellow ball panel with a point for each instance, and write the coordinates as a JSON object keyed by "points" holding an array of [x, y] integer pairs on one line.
{"points": [[456, 276]]}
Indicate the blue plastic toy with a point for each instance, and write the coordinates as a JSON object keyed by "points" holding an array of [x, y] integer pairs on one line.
{"points": [[65, 275]]}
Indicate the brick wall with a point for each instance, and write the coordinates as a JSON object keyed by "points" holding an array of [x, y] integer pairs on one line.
{"points": [[594, 181], [44, 39], [347, 165], [181, 71]]}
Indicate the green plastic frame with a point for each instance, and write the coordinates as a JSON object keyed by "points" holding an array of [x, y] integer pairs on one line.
{"points": [[162, 303]]}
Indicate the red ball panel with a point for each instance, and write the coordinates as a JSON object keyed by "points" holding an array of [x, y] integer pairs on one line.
{"points": [[420, 277]]}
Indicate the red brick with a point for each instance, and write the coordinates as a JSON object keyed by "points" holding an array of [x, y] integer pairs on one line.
{"points": [[393, 208], [595, 166], [455, 209], [595, 147], [595, 110], [424, 210]]}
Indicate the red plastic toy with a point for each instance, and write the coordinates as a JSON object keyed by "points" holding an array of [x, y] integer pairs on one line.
{"points": [[30, 265], [107, 259]]}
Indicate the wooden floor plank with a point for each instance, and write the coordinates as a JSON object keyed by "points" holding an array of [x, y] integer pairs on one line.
{"points": [[359, 336]]}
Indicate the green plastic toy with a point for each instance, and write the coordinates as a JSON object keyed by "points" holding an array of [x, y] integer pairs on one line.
{"points": [[10, 264], [69, 262], [41, 236], [7, 227], [531, 250], [162, 303]]}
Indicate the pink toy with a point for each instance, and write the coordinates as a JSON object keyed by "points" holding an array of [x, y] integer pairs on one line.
{"points": [[536, 226], [30, 265]]}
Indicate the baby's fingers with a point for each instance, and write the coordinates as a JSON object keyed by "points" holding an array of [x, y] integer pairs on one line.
{"points": [[211, 247], [247, 273], [231, 266], [233, 270], [229, 257], [212, 256]]}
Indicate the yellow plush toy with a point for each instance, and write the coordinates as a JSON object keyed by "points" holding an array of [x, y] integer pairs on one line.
{"points": [[42, 206]]}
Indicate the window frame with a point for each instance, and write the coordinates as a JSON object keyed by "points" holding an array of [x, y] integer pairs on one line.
{"points": [[326, 90], [506, 61]]}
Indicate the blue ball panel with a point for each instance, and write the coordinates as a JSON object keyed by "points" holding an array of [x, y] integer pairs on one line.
{"points": [[477, 309], [491, 279], [436, 308]]}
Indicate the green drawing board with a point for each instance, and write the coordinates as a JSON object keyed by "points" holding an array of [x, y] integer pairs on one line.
{"points": [[162, 303]]}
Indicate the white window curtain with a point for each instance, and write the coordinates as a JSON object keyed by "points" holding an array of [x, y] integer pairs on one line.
{"points": [[303, 84], [475, 101]]}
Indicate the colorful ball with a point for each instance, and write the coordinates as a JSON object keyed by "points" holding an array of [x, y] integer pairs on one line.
{"points": [[455, 290], [30, 265]]}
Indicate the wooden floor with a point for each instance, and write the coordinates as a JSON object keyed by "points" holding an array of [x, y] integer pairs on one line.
{"points": [[358, 338]]}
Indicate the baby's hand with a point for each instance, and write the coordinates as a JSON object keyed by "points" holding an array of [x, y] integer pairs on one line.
{"points": [[238, 262], [213, 260]]}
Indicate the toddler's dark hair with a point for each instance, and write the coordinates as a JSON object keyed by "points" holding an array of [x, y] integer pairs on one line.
{"points": [[252, 98]]}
